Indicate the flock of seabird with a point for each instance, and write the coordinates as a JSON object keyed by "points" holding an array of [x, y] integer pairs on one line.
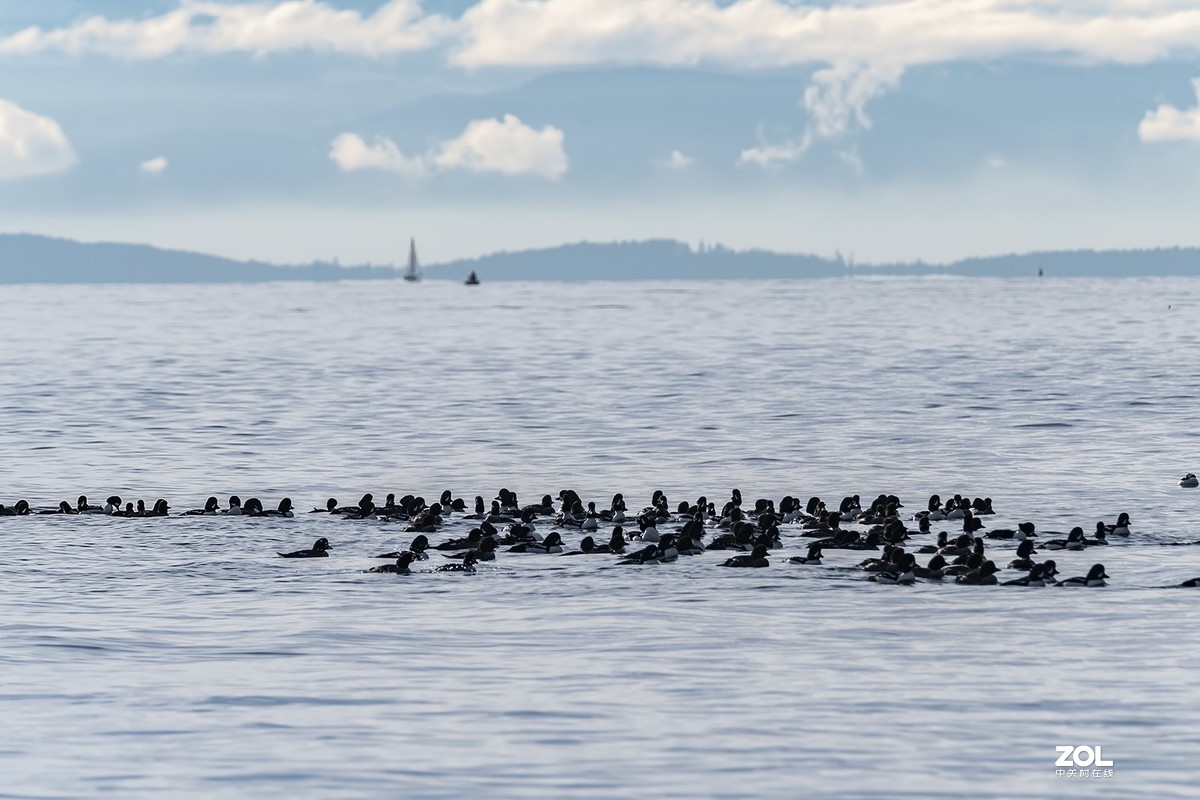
{"points": [[745, 533]]}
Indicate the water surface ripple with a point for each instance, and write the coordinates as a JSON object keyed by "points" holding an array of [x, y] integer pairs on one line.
{"points": [[180, 657]]}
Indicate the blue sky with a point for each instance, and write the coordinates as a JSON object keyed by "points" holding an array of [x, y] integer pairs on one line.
{"points": [[289, 131]]}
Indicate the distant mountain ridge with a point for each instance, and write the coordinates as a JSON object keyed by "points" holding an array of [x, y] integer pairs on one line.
{"points": [[28, 258], [665, 259]]}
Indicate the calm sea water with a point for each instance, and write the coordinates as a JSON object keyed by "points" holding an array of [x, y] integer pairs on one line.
{"points": [[181, 658]]}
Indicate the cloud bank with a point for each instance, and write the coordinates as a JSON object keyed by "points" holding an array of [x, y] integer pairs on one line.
{"points": [[775, 33], [885, 34], [861, 49], [259, 28], [31, 144], [506, 146]]}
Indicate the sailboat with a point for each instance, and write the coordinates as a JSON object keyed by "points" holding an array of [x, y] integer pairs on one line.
{"points": [[413, 273]]}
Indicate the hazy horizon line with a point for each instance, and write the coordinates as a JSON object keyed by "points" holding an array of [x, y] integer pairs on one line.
{"points": [[695, 248]]}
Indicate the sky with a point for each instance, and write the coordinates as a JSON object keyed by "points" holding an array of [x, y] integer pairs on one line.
{"points": [[296, 130]]}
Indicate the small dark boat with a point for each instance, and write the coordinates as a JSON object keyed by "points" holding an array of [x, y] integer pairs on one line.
{"points": [[472, 279]]}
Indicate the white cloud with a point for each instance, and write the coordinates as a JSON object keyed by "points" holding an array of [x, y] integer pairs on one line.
{"points": [[837, 97], [836, 100], [154, 165], [351, 153], [260, 28], [677, 161], [506, 146], [768, 155], [31, 144], [1170, 124]]}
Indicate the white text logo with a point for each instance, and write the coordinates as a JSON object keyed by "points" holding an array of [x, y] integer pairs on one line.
{"points": [[1082, 761]]}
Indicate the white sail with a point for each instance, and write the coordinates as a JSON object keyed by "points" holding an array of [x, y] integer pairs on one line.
{"points": [[414, 268]]}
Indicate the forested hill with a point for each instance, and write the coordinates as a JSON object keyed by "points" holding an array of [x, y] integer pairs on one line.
{"points": [[27, 258]]}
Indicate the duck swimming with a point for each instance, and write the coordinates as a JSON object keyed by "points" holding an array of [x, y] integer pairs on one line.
{"points": [[985, 575], [1074, 541], [813, 557], [1121, 528], [418, 547], [587, 546], [467, 565], [971, 523], [591, 520], [1036, 577], [211, 506], [1095, 577], [469, 542], [1101, 536], [934, 571], [1023, 560], [934, 512], [19, 509], [662, 552], [364, 510], [318, 550], [427, 521], [942, 542], [1025, 530], [616, 543], [484, 551], [399, 568], [757, 558], [284, 510], [542, 509], [901, 573], [616, 510]]}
